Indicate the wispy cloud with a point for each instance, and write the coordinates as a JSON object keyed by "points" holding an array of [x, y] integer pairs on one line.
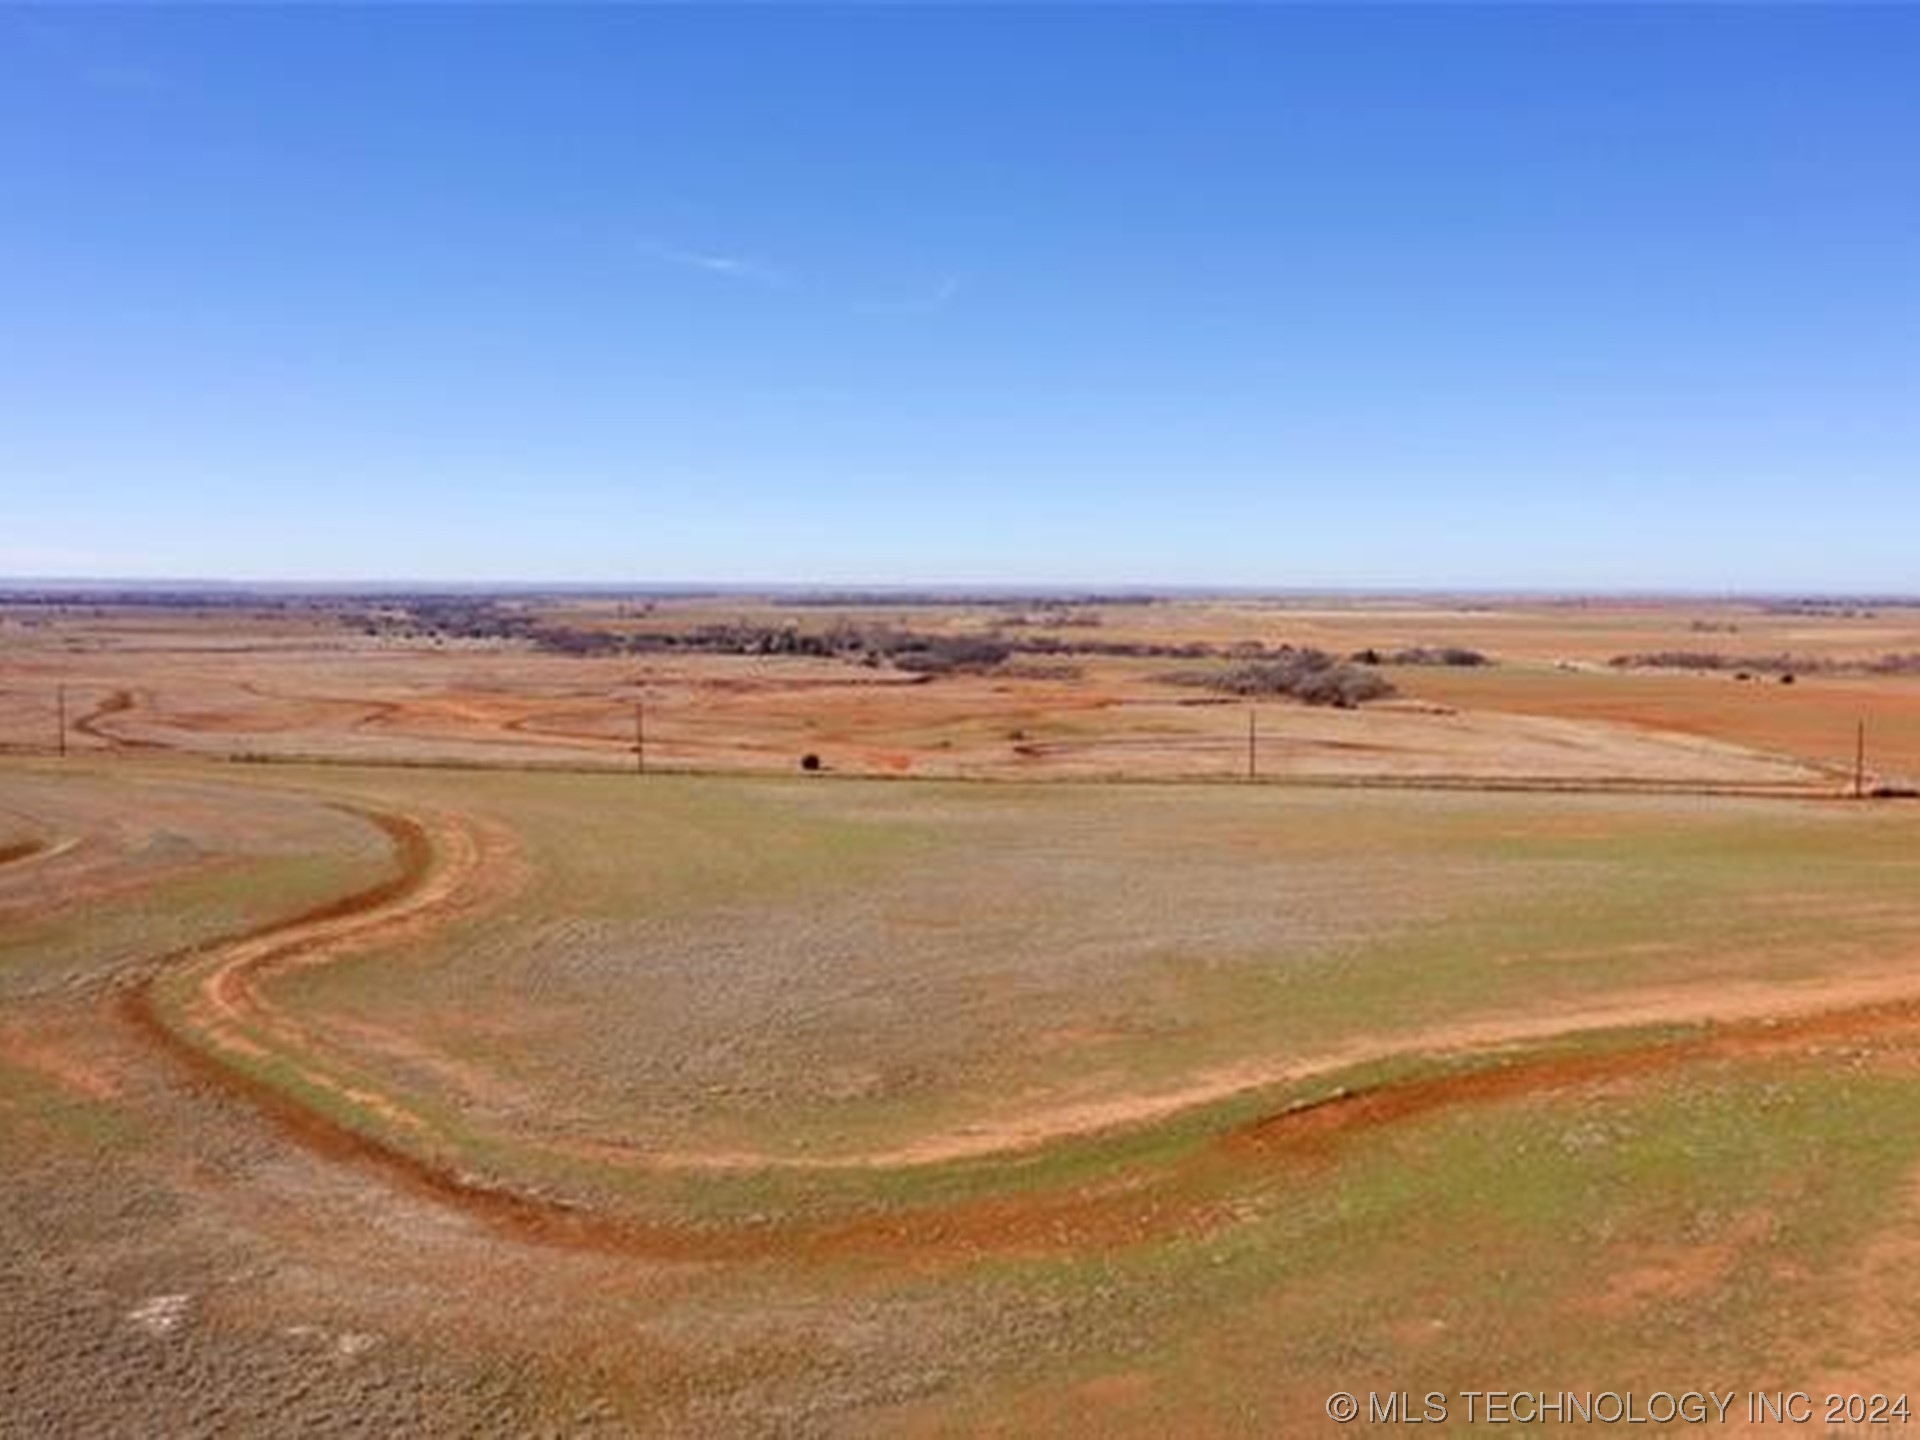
{"points": [[727, 267], [938, 298], [751, 270]]}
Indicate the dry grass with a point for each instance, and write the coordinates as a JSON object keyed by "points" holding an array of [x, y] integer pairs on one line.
{"points": [[297, 684]]}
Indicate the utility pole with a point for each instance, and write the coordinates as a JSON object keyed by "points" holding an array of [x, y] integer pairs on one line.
{"points": [[60, 710], [1253, 743], [639, 737], [1860, 760]]}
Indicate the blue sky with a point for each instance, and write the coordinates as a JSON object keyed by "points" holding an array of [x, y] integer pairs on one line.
{"points": [[1604, 298]]}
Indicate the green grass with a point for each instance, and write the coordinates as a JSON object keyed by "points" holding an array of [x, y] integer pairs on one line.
{"points": [[960, 929], [660, 975], [1519, 1242], [181, 862], [1512, 1245]]}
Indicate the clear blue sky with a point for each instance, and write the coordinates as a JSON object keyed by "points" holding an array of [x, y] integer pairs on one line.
{"points": [[1620, 297]]}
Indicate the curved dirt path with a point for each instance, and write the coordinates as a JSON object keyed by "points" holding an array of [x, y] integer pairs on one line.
{"points": [[1724, 1005], [440, 867], [357, 713], [443, 866], [120, 702]]}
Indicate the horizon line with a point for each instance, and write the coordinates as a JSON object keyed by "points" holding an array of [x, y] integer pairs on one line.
{"points": [[26, 586]]}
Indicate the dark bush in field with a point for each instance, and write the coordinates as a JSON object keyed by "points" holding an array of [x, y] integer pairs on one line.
{"points": [[809, 762]]}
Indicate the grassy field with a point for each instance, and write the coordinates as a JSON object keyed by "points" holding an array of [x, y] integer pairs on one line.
{"points": [[472, 1099], [829, 972], [135, 865], [1745, 1226]]}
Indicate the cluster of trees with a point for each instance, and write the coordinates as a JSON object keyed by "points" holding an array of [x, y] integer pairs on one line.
{"points": [[1305, 674], [465, 618], [860, 644], [1456, 655], [1827, 608], [1905, 662], [947, 654], [1119, 649], [1709, 660], [448, 617], [955, 600], [1054, 617], [1052, 633], [741, 638]]}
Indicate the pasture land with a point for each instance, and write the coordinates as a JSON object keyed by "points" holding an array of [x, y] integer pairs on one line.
{"points": [[1083, 691], [1556, 1025]]}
